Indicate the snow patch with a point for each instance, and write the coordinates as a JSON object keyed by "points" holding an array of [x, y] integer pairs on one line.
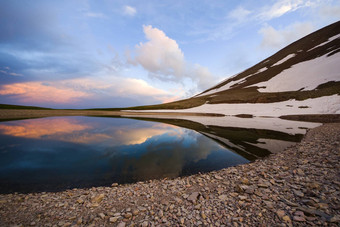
{"points": [[321, 105], [307, 75], [289, 56], [329, 40], [231, 83]]}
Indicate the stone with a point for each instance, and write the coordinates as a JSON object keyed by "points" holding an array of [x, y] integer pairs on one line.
{"points": [[121, 224], [335, 219], [181, 221], [135, 212], [145, 224], [280, 213], [80, 201], [193, 197], [98, 198], [113, 219], [223, 197], [127, 215], [298, 193], [286, 219], [114, 185], [299, 218], [101, 215], [218, 177]]}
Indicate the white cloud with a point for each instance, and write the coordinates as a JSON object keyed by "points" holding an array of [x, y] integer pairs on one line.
{"points": [[239, 14], [129, 10], [282, 7], [164, 60], [275, 39]]}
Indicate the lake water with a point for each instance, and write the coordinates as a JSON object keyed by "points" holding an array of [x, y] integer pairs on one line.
{"points": [[57, 153]]}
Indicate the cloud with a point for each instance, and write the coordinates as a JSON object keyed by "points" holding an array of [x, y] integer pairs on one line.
{"points": [[75, 91], [38, 92], [282, 7], [129, 10], [164, 60], [275, 39], [239, 14]]}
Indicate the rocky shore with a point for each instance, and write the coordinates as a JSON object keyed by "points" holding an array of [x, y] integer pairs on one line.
{"points": [[298, 187]]}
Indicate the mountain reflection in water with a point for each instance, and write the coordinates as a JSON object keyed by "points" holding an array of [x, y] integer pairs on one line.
{"points": [[57, 153]]}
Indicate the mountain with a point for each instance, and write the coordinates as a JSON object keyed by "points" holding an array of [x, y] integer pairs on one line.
{"points": [[302, 78]]}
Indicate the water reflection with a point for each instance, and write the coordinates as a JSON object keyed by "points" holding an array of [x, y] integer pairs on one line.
{"points": [[65, 152]]}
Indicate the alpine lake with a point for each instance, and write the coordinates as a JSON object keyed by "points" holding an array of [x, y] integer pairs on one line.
{"points": [[59, 153]]}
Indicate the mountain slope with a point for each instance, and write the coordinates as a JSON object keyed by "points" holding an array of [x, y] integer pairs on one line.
{"points": [[307, 69]]}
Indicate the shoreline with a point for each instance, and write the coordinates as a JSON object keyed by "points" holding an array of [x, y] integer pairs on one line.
{"points": [[17, 114], [300, 190]]}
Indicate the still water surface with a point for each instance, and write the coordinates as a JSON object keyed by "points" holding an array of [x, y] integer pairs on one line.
{"points": [[57, 153]]}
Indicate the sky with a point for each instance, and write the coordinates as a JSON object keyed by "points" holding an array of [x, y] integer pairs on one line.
{"points": [[120, 53]]}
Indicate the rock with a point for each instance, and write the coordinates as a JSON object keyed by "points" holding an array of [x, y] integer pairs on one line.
{"points": [[299, 218], [335, 219], [280, 213], [298, 193], [145, 224], [203, 215], [193, 197], [178, 200], [114, 185], [121, 224], [241, 197], [245, 181], [135, 212], [223, 197], [101, 215], [127, 215], [98, 198], [286, 219], [113, 219], [181, 221], [80, 201], [218, 177]]}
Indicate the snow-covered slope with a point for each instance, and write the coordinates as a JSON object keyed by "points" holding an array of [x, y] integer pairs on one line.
{"points": [[304, 65]]}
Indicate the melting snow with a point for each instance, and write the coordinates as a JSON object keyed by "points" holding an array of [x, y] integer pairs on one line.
{"points": [[321, 105], [329, 40], [231, 83], [317, 71], [289, 56]]}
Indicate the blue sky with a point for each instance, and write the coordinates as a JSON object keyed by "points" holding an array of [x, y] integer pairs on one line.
{"points": [[115, 53]]}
